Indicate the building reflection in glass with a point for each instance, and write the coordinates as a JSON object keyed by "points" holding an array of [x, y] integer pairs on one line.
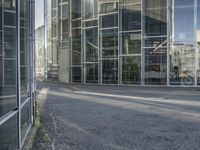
{"points": [[183, 49]]}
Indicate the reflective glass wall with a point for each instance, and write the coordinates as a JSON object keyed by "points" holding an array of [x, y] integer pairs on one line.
{"points": [[16, 72], [135, 42], [130, 33]]}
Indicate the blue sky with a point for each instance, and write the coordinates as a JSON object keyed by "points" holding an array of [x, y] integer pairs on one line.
{"points": [[39, 13]]}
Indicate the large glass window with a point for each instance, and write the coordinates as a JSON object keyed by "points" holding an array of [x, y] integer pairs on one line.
{"points": [[91, 45], [76, 9], [110, 71], [130, 17], [25, 118], [155, 66], [155, 12], [8, 134], [131, 68], [8, 101], [76, 47], [108, 21], [76, 74], [91, 73], [130, 42], [183, 49], [109, 43], [24, 49]]}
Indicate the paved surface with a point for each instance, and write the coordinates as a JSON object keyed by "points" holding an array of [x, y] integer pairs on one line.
{"points": [[80, 117]]}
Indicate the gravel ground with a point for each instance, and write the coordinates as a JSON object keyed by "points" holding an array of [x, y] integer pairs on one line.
{"points": [[89, 117]]}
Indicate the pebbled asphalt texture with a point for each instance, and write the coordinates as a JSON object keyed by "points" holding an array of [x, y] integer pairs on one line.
{"points": [[92, 117]]}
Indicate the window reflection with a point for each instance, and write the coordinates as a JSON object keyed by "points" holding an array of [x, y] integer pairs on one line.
{"points": [[76, 74], [131, 43], [183, 48], [130, 17], [131, 68], [8, 101], [91, 73], [155, 12], [91, 45], [156, 66], [8, 134], [109, 43], [110, 71]]}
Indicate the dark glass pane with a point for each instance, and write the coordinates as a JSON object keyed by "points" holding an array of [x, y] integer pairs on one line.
{"points": [[76, 74], [11, 21], [9, 42], [156, 66], [8, 134], [131, 70], [24, 52], [25, 119], [91, 45], [91, 73], [109, 43], [130, 17], [76, 9], [108, 21], [155, 12], [110, 71]]}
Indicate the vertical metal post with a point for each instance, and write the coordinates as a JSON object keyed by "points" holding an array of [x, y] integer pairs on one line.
{"points": [[18, 70], [142, 50]]}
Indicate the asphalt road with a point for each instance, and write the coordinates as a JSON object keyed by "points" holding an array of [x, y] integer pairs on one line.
{"points": [[90, 117]]}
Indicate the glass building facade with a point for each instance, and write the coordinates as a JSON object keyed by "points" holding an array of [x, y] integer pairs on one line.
{"points": [[132, 42], [17, 84], [56, 39]]}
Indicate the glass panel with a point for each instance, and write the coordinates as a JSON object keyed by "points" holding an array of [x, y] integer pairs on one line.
{"points": [[108, 7], [110, 71], [89, 9], [131, 43], [76, 9], [155, 12], [8, 134], [8, 101], [9, 42], [91, 73], [182, 65], [11, 21], [130, 17], [155, 66], [109, 43], [108, 21], [76, 47], [183, 49], [131, 70], [24, 49], [91, 45], [155, 42], [76, 74], [25, 118]]}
